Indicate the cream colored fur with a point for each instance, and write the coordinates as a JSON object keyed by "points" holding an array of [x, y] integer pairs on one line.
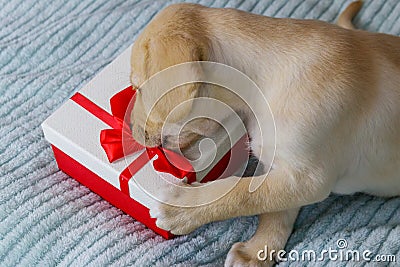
{"points": [[334, 93]]}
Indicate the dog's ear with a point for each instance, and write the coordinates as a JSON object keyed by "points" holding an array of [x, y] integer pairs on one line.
{"points": [[167, 51], [163, 52]]}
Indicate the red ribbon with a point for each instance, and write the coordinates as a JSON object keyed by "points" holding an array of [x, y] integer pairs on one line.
{"points": [[112, 140]]}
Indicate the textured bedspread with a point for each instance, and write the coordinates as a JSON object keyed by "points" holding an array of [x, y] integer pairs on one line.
{"points": [[48, 50]]}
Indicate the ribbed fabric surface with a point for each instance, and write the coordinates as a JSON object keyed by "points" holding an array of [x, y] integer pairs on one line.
{"points": [[48, 50]]}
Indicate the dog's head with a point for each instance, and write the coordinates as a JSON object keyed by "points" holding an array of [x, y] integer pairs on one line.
{"points": [[168, 40]]}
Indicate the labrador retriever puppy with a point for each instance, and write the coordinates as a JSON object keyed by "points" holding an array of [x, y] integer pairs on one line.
{"points": [[334, 94]]}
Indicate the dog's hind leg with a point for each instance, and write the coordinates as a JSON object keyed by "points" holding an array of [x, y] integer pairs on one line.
{"points": [[261, 250]]}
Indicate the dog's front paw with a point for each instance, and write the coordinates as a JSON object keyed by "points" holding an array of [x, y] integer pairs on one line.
{"points": [[175, 214], [242, 255], [177, 220]]}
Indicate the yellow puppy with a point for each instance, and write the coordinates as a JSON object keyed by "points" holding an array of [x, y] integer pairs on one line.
{"points": [[333, 91]]}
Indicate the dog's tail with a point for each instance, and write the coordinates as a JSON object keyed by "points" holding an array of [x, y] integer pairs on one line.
{"points": [[348, 14]]}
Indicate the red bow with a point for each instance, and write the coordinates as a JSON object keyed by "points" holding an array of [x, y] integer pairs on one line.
{"points": [[112, 140]]}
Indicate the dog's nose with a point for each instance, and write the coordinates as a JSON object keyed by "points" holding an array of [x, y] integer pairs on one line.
{"points": [[151, 140]]}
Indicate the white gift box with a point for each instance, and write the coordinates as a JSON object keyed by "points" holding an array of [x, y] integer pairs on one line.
{"points": [[74, 133]]}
